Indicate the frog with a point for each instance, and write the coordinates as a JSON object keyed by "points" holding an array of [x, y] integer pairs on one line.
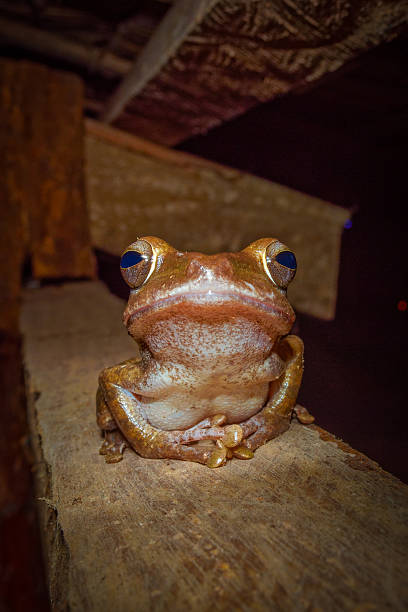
{"points": [[218, 371]]}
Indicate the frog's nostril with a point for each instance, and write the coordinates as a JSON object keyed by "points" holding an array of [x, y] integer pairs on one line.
{"points": [[194, 269], [223, 266]]}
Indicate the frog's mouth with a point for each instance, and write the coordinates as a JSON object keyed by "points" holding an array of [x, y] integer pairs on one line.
{"points": [[210, 299]]}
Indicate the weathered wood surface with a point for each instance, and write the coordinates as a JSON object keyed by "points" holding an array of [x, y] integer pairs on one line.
{"points": [[308, 524], [136, 188], [246, 52]]}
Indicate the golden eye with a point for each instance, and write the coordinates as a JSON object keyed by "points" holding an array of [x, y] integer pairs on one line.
{"points": [[280, 264], [137, 263]]}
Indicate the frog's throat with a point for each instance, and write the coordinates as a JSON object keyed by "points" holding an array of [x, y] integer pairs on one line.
{"points": [[207, 298]]}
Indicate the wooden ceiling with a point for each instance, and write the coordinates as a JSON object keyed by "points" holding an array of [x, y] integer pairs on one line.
{"points": [[169, 70]]}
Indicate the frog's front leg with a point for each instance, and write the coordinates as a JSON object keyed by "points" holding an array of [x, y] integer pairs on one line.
{"points": [[275, 417], [120, 407], [114, 443]]}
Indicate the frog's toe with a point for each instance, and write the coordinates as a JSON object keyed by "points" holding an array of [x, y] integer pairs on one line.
{"points": [[242, 452], [267, 430], [303, 415], [218, 457], [113, 457], [233, 435], [189, 453], [113, 447]]}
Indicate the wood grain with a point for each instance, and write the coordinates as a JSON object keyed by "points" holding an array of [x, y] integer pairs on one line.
{"points": [[169, 35], [247, 52], [308, 524]]}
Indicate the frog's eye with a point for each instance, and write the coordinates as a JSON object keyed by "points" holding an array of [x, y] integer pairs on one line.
{"points": [[137, 263], [280, 264]]}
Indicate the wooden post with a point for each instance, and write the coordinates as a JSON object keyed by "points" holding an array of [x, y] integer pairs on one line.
{"points": [[12, 212], [42, 214], [44, 199], [308, 524]]}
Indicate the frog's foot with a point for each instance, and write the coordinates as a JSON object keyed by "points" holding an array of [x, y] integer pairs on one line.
{"points": [[113, 446], [229, 446], [228, 442], [208, 429], [188, 453], [303, 415], [221, 454], [261, 428]]}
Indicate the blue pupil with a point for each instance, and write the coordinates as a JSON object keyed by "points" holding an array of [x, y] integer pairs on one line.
{"points": [[287, 259], [130, 258]]}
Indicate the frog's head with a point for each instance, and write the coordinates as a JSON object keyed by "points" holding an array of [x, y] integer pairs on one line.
{"points": [[208, 289]]}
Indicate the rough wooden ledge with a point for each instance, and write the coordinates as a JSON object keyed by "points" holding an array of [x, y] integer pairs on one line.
{"points": [[309, 524]]}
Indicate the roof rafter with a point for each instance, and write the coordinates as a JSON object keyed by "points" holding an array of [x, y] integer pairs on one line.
{"points": [[48, 43], [178, 22]]}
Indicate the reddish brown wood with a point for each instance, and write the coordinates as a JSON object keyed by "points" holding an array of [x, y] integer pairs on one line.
{"points": [[58, 220], [45, 213], [22, 583], [12, 238], [42, 213]]}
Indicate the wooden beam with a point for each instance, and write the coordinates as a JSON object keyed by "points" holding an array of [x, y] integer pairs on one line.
{"points": [[246, 52], [41, 41], [179, 21], [308, 524]]}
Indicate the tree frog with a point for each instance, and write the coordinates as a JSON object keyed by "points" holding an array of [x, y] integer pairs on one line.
{"points": [[218, 373]]}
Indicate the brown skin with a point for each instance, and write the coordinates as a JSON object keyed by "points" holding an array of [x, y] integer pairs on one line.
{"points": [[216, 361]]}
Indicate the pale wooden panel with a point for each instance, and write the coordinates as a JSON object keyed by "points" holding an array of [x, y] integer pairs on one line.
{"points": [[308, 524], [136, 188]]}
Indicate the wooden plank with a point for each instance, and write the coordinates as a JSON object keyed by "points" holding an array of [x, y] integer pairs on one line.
{"points": [[175, 26], [247, 52], [308, 524], [138, 188]]}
